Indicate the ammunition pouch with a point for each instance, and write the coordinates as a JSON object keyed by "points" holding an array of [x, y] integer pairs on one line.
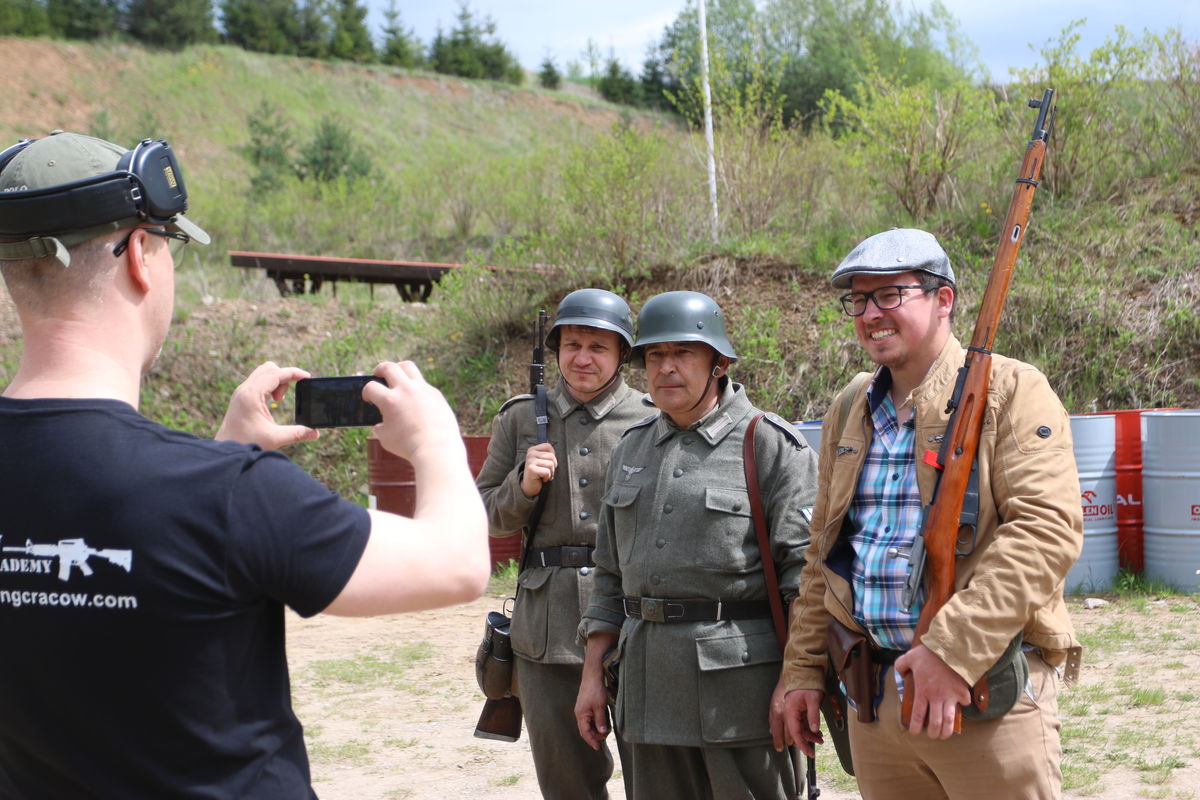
{"points": [[1005, 682], [494, 658]]}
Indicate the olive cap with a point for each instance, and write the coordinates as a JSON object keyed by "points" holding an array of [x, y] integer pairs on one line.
{"points": [[681, 317], [592, 308], [892, 252]]}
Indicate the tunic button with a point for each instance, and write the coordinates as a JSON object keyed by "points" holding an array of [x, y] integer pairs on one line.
{"points": [[668, 508], [677, 473], [583, 515], [583, 451], [661, 543], [737, 506], [655, 579], [745, 656], [584, 420], [688, 440], [583, 482]]}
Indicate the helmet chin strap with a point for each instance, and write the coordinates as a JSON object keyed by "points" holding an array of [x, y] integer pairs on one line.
{"points": [[711, 375]]}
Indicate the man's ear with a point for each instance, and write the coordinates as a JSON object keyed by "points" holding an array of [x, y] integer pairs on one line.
{"points": [[135, 260], [721, 367], [945, 296]]}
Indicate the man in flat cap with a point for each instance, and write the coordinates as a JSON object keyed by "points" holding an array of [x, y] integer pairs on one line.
{"points": [[146, 570], [1006, 618]]}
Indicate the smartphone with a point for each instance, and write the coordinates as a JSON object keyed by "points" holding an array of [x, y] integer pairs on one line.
{"points": [[335, 402]]}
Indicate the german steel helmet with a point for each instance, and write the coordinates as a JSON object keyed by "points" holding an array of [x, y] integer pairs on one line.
{"points": [[681, 317], [892, 252], [593, 308]]}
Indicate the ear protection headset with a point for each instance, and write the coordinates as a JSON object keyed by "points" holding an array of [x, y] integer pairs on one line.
{"points": [[146, 186]]}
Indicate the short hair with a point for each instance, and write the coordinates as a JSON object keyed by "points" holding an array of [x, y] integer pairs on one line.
{"points": [[42, 284]]}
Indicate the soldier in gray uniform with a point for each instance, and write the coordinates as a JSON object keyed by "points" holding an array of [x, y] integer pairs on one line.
{"points": [[589, 410], [679, 589]]}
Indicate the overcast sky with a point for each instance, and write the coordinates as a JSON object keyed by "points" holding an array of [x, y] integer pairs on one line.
{"points": [[1001, 29]]}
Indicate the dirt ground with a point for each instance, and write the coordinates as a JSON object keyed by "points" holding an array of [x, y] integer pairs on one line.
{"points": [[390, 704]]}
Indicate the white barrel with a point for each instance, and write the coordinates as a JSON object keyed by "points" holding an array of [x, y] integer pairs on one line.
{"points": [[1095, 438], [811, 431], [1171, 496]]}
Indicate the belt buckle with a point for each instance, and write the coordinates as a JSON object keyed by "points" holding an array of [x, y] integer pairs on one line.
{"points": [[654, 610], [574, 555]]}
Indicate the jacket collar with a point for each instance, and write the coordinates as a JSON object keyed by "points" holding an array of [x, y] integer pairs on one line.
{"points": [[941, 375], [598, 407], [714, 426]]}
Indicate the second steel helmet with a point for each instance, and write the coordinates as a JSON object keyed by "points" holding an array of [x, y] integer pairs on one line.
{"points": [[592, 308], [681, 317]]}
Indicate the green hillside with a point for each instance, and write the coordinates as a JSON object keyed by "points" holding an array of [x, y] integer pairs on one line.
{"points": [[575, 191]]}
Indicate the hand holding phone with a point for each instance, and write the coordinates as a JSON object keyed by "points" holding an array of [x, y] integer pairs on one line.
{"points": [[335, 402], [248, 419]]}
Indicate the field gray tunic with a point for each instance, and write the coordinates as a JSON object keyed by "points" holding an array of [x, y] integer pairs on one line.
{"points": [[550, 599], [676, 524]]}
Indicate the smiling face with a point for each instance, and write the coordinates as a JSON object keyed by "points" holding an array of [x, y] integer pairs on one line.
{"points": [[588, 358], [905, 339], [681, 381]]}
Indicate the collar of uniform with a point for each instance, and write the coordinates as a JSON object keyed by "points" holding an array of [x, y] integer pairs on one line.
{"points": [[598, 407], [716, 424], [941, 374]]}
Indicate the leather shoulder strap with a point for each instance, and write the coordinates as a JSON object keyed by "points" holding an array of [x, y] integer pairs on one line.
{"points": [[760, 530]]}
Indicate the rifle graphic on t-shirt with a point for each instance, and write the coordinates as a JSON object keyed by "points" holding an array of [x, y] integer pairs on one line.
{"points": [[74, 553]]}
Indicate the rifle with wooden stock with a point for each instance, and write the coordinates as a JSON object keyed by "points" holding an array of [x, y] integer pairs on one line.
{"points": [[501, 716], [936, 548]]}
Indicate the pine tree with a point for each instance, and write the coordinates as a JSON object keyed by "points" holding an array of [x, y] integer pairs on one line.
{"points": [[82, 19], [472, 51], [312, 29], [617, 84], [170, 23], [351, 39], [549, 76], [401, 48], [265, 26], [23, 18]]}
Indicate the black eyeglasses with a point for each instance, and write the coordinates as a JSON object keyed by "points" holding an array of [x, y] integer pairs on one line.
{"points": [[884, 298], [178, 240]]}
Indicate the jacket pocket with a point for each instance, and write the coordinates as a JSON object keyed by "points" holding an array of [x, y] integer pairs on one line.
{"points": [[531, 614], [727, 543], [738, 673], [621, 498]]}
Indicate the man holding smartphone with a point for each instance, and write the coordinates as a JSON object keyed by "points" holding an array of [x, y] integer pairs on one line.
{"points": [[552, 491], [154, 566]]}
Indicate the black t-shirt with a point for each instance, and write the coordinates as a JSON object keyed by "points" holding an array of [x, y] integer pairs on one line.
{"points": [[143, 577]]}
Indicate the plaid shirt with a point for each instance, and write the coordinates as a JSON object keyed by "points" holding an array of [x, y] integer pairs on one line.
{"points": [[886, 517]]}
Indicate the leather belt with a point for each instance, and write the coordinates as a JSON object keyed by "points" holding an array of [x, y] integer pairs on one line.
{"points": [[653, 609], [565, 556]]}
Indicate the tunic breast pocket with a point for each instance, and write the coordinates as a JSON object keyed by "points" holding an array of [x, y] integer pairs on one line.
{"points": [[622, 499], [729, 531]]}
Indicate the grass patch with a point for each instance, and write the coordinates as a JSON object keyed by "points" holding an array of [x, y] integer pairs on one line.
{"points": [[351, 753], [504, 579], [382, 665]]}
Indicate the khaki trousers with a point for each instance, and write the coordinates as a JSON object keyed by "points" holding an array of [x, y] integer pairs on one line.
{"points": [[1015, 757], [567, 768]]}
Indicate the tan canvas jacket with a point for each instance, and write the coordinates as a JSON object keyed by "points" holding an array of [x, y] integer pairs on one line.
{"points": [[1029, 534]]}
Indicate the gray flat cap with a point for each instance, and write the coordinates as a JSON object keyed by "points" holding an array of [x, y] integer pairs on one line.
{"points": [[891, 252]]}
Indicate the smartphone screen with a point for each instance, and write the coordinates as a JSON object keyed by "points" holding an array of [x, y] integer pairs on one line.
{"points": [[335, 402]]}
